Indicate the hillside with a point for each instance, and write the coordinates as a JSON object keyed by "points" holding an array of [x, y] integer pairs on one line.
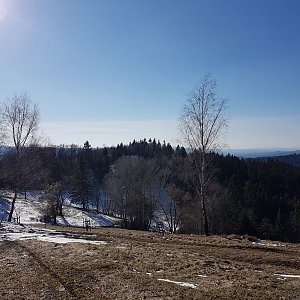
{"points": [[112, 263], [62, 262], [292, 159], [29, 211]]}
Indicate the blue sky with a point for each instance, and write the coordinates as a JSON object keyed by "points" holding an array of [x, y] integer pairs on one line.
{"points": [[109, 71]]}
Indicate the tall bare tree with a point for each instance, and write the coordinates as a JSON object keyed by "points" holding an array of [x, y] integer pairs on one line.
{"points": [[202, 125], [19, 124]]}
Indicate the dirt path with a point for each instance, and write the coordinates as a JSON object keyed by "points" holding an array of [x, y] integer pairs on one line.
{"points": [[25, 276]]}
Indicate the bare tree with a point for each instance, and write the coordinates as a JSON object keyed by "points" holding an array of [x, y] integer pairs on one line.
{"points": [[202, 125], [172, 206], [19, 124], [20, 117], [133, 185]]}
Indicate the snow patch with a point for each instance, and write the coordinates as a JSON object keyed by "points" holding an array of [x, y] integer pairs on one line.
{"points": [[65, 240], [15, 232], [261, 243], [286, 276], [180, 283]]}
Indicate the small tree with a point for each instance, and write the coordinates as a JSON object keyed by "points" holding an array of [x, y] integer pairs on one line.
{"points": [[49, 210], [172, 207], [97, 195], [87, 146], [54, 196], [81, 183], [19, 125], [202, 125]]}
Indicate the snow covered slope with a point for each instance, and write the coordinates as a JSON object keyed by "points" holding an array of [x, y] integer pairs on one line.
{"points": [[30, 209]]}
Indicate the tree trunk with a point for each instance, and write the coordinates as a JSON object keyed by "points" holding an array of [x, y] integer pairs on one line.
{"points": [[203, 191], [204, 213], [12, 206], [98, 204], [59, 209]]}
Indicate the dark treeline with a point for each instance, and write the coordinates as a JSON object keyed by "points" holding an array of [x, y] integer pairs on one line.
{"points": [[292, 159], [260, 198], [136, 181]]}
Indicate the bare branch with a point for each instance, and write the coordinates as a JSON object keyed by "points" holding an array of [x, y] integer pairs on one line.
{"points": [[202, 126], [20, 120]]}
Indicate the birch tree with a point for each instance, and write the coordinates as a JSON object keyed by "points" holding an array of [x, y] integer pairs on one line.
{"points": [[202, 125], [19, 126]]}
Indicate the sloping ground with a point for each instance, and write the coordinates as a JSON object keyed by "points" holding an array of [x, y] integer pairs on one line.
{"points": [[4, 208], [145, 265], [30, 212], [74, 216]]}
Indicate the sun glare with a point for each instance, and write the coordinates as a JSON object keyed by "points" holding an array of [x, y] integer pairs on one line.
{"points": [[3, 11]]}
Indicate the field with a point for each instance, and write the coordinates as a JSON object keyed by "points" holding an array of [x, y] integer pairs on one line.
{"points": [[146, 265]]}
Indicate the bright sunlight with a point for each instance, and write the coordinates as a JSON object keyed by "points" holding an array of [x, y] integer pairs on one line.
{"points": [[3, 10]]}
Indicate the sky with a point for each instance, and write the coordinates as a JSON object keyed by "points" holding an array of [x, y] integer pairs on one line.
{"points": [[110, 71]]}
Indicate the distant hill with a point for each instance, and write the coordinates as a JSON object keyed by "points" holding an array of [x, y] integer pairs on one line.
{"points": [[261, 153], [292, 159]]}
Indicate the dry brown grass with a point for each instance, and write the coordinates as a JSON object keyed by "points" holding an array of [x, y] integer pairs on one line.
{"points": [[129, 266]]}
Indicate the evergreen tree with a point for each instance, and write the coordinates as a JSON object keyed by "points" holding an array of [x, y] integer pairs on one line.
{"points": [[82, 184]]}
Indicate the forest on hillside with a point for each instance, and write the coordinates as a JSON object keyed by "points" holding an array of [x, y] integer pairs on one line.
{"points": [[292, 159], [195, 191], [246, 196]]}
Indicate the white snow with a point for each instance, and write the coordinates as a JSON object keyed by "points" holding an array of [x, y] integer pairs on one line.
{"points": [[15, 232], [30, 211], [159, 271], [184, 284], [262, 243], [74, 216], [59, 239], [287, 276], [204, 276]]}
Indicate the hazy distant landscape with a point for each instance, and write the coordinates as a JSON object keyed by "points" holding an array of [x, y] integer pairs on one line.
{"points": [[256, 153]]}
